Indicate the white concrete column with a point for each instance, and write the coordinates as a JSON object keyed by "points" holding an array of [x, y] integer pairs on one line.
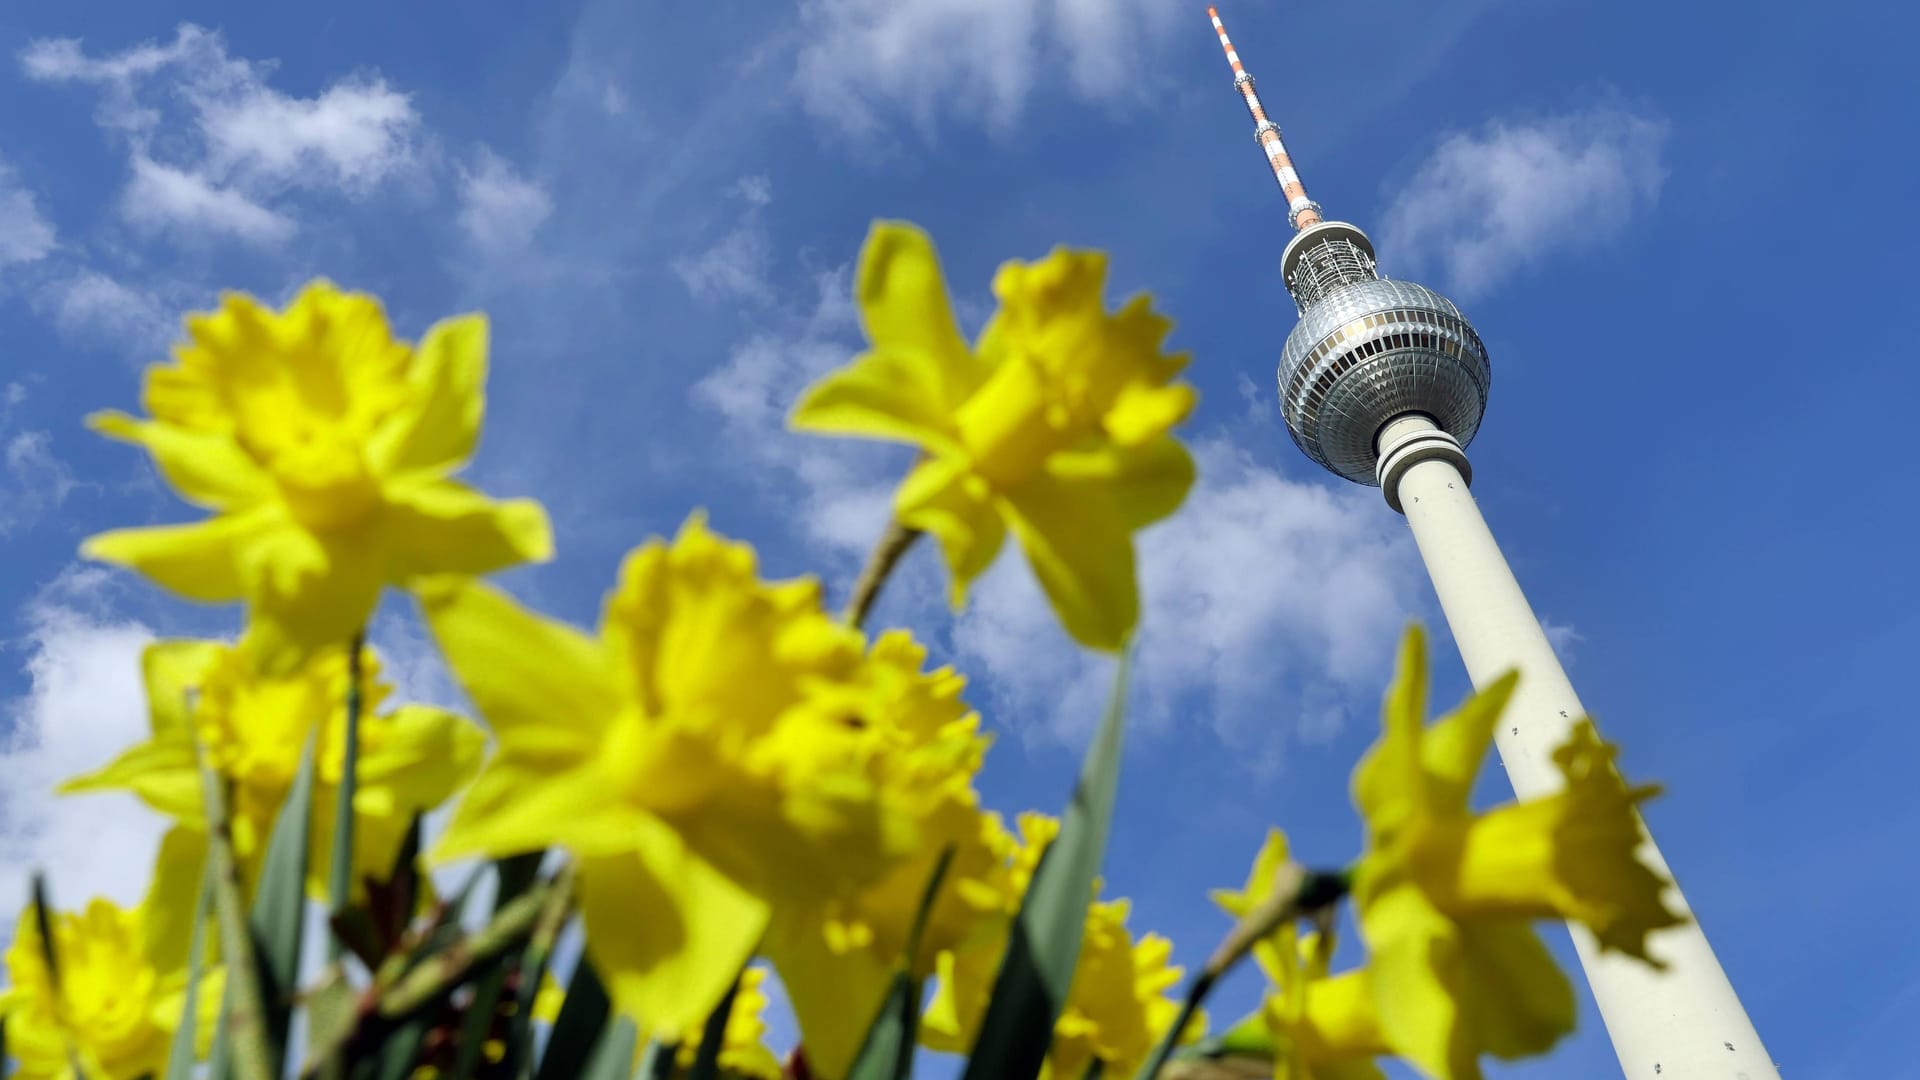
{"points": [[1685, 1023]]}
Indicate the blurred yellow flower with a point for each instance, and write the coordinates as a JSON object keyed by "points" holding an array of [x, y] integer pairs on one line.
{"points": [[118, 1003], [254, 728], [1444, 894], [1117, 1009], [838, 962], [743, 1046], [324, 448], [1317, 1026], [1055, 424], [722, 747]]}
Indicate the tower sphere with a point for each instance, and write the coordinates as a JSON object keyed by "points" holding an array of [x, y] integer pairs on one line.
{"points": [[1368, 349]]}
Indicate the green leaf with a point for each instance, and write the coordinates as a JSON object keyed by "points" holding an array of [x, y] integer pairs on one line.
{"points": [[613, 1054], [340, 866], [582, 1020], [516, 874], [220, 1052], [887, 1051], [278, 906], [399, 1052], [1044, 944], [656, 1063], [180, 1056]]}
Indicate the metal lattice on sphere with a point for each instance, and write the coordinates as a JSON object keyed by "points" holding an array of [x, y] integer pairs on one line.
{"points": [[1368, 349]]}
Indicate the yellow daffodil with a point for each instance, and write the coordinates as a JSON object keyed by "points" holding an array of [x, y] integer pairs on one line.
{"points": [[118, 1002], [324, 448], [1444, 894], [1117, 1009], [254, 728], [838, 962], [721, 748], [1055, 424], [1315, 1026], [743, 1045]]}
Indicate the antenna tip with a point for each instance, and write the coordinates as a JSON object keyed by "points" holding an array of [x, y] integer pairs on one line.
{"points": [[1212, 12]]}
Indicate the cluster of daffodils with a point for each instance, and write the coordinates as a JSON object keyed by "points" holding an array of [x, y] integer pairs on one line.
{"points": [[721, 782]]}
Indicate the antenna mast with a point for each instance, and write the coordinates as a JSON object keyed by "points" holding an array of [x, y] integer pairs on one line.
{"points": [[1302, 212]]}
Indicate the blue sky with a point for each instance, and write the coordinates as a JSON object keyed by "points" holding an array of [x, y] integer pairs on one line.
{"points": [[1672, 227]]}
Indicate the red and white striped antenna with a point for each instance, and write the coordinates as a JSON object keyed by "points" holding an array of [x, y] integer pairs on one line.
{"points": [[1302, 212]]}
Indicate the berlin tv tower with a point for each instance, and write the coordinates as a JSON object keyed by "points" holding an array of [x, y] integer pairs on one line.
{"points": [[1384, 382]]}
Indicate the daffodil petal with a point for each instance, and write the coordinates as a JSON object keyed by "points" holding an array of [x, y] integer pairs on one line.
{"points": [[161, 772], [666, 931], [1521, 1002], [1142, 412], [835, 995], [171, 897], [1389, 784], [173, 670], [941, 497], [1081, 550], [1453, 748], [1146, 482], [520, 804], [200, 561], [421, 754], [1419, 984], [438, 430], [445, 527], [546, 690], [207, 468], [884, 394], [904, 307], [308, 592]]}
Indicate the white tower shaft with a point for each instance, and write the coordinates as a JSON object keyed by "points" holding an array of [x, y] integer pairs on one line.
{"points": [[1685, 1023]]}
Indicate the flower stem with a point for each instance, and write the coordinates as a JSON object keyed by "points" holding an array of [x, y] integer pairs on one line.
{"points": [[246, 1015], [340, 868], [1296, 892], [441, 972], [886, 554]]}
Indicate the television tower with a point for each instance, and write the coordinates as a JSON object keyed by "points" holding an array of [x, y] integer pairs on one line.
{"points": [[1384, 382]]}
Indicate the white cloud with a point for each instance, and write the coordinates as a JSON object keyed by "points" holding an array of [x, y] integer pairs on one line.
{"points": [[89, 306], [353, 135], [738, 266], [1563, 637], [1489, 202], [860, 59], [212, 146], [163, 198], [84, 703], [1269, 606], [36, 481], [734, 268], [499, 209], [757, 190], [25, 234], [845, 485], [33, 481]]}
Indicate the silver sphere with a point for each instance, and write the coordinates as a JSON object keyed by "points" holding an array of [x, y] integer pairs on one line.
{"points": [[1366, 351]]}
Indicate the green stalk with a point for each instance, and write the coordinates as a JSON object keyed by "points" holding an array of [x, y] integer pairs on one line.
{"points": [[340, 868], [180, 1055], [1296, 892], [246, 1015], [885, 556]]}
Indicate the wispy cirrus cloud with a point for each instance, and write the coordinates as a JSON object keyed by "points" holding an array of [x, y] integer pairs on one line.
{"points": [[863, 63], [233, 144]]}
